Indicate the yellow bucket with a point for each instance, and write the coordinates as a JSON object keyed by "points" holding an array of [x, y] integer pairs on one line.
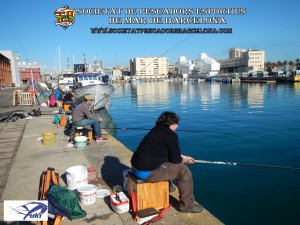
{"points": [[49, 138]]}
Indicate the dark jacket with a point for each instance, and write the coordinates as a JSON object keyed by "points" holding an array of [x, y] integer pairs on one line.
{"points": [[68, 97], [160, 145], [81, 112]]}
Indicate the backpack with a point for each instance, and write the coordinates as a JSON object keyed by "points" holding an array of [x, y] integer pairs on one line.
{"points": [[52, 101], [36, 112], [62, 202], [47, 179]]}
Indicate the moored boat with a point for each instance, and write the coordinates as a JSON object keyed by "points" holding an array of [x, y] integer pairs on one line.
{"points": [[101, 93]]}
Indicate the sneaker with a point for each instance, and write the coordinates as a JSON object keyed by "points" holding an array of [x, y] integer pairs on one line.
{"points": [[196, 209], [100, 139]]}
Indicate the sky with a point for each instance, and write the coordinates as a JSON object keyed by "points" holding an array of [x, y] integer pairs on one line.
{"points": [[28, 28]]}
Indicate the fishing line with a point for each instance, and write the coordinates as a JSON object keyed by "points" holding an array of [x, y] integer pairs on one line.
{"points": [[170, 49], [135, 128], [106, 96], [245, 164]]}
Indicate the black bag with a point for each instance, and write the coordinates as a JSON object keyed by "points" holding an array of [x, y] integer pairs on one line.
{"points": [[36, 112]]}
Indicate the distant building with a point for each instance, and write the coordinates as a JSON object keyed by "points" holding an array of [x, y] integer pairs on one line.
{"points": [[242, 60], [149, 67], [204, 65], [5, 71], [29, 72], [14, 61]]}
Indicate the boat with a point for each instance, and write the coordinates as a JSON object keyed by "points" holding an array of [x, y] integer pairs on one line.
{"points": [[101, 93], [69, 81]]}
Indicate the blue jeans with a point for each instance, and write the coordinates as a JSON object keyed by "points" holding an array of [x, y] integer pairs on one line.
{"points": [[94, 123]]}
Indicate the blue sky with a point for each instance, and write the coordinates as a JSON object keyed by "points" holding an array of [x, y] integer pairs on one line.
{"points": [[28, 28]]}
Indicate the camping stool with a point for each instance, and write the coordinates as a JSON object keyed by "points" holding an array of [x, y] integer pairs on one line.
{"points": [[83, 131], [66, 107], [148, 194]]}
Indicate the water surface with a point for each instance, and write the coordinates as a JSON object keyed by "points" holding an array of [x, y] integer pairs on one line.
{"points": [[245, 122]]}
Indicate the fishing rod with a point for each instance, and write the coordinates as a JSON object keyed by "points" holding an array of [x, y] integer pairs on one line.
{"points": [[105, 96], [245, 164], [136, 128]]}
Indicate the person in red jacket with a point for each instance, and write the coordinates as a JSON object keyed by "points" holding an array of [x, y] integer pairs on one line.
{"points": [[158, 158]]}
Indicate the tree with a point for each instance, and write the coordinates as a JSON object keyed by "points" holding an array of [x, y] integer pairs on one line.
{"points": [[291, 64], [284, 65], [279, 64]]}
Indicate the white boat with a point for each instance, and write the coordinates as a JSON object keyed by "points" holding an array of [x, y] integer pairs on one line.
{"points": [[69, 81], [101, 93]]}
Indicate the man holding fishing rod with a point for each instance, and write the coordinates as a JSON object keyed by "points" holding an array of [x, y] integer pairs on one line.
{"points": [[158, 158], [82, 116]]}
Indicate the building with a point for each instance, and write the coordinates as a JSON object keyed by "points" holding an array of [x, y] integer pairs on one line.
{"points": [[14, 61], [242, 60], [5, 71], [29, 71], [203, 66], [149, 67]]}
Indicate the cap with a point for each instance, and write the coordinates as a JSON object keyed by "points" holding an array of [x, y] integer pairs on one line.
{"points": [[89, 97], [74, 91]]}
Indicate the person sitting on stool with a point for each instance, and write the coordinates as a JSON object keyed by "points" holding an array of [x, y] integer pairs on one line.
{"points": [[70, 99], [82, 116], [158, 158]]}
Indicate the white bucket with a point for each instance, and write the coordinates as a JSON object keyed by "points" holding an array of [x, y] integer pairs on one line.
{"points": [[87, 194], [80, 142], [77, 176]]}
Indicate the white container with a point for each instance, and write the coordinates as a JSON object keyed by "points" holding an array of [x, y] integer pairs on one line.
{"points": [[87, 194], [80, 142], [120, 203], [77, 176]]}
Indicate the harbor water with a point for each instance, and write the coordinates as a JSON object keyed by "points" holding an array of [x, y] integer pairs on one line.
{"points": [[252, 123]]}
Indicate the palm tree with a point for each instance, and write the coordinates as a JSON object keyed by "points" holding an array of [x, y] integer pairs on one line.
{"points": [[279, 64], [284, 65], [291, 64], [297, 63]]}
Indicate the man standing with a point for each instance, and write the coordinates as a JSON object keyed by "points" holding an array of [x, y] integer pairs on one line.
{"points": [[82, 116], [158, 158]]}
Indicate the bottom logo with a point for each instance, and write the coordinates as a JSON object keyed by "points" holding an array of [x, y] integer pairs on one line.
{"points": [[15, 210]]}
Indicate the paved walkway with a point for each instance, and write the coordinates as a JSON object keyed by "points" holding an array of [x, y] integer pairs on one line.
{"points": [[23, 157]]}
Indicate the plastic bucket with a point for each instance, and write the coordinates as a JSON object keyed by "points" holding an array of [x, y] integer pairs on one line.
{"points": [[49, 138], [77, 176], [87, 194], [80, 142], [63, 121]]}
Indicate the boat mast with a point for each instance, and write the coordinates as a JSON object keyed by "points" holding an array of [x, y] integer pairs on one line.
{"points": [[59, 65]]}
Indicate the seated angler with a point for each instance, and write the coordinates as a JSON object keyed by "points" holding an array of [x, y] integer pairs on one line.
{"points": [[158, 158], [70, 99], [82, 116]]}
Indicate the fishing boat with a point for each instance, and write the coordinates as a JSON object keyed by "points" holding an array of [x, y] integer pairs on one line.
{"points": [[101, 93], [69, 81]]}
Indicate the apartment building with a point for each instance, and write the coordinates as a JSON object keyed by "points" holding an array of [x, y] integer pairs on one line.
{"points": [[14, 61], [149, 67], [242, 60], [5, 71]]}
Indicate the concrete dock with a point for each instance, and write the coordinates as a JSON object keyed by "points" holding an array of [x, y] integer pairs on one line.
{"points": [[23, 157]]}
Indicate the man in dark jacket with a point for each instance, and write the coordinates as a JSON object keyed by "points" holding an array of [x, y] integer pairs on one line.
{"points": [[82, 116], [69, 97], [158, 158]]}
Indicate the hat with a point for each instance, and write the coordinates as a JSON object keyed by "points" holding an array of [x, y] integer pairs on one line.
{"points": [[89, 97], [74, 91]]}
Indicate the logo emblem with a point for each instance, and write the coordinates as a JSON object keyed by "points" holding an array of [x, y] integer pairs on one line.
{"points": [[65, 16], [25, 210]]}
